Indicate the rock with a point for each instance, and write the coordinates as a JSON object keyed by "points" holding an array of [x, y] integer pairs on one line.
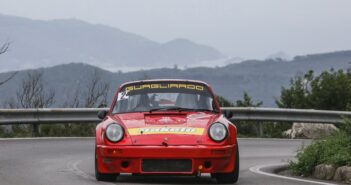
{"points": [[310, 131], [343, 174], [324, 172]]}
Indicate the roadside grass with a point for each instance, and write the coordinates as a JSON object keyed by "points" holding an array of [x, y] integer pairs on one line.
{"points": [[51, 130], [334, 150], [250, 129]]}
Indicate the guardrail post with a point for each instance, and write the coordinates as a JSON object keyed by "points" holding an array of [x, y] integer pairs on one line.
{"points": [[260, 129], [35, 130]]}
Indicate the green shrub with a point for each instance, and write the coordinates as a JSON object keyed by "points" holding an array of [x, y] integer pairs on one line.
{"points": [[2, 131], [334, 150], [346, 126], [21, 131], [275, 129], [68, 130], [270, 129]]}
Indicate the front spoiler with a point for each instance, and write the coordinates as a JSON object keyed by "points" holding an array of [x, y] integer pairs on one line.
{"points": [[113, 159]]}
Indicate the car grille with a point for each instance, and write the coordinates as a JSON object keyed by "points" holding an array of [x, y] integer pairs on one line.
{"points": [[166, 165]]}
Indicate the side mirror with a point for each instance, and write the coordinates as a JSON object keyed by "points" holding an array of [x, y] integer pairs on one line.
{"points": [[102, 114], [228, 114]]}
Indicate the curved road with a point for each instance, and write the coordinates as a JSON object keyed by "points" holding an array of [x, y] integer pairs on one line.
{"points": [[70, 161]]}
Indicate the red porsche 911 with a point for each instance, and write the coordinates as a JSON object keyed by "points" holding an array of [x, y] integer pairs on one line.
{"points": [[165, 127]]}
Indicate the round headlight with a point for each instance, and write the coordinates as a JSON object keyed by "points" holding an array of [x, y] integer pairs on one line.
{"points": [[218, 132], [114, 132]]}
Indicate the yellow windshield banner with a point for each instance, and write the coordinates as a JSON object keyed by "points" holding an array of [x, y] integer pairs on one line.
{"points": [[165, 86], [166, 130]]}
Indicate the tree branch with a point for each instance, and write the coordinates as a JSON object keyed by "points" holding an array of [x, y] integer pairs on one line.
{"points": [[9, 78], [4, 48]]}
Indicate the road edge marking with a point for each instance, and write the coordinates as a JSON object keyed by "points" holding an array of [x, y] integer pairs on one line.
{"points": [[258, 170], [73, 167]]}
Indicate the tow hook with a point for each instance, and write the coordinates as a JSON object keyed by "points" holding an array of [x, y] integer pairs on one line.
{"points": [[198, 174], [165, 142]]}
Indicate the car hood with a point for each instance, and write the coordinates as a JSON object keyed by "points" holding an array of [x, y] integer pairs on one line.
{"points": [[166, 128]]}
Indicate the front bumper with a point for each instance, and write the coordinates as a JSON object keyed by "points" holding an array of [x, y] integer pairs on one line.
{"points": [[128, 159]]}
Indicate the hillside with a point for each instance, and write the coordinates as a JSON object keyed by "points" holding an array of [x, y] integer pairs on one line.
{"points": [[37, 43], [261, 79]]}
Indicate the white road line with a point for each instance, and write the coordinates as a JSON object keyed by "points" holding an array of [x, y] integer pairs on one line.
{"points": [[257, 169], [73, 167]]}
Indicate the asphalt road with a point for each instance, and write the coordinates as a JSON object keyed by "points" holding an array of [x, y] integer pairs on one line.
{"points": [[70, 162]]}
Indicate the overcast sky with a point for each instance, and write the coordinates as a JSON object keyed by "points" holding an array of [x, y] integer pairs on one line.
{"points": [[247, 28]]}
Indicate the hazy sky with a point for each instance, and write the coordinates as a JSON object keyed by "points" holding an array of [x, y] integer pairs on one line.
{"points": [[247, 28]]}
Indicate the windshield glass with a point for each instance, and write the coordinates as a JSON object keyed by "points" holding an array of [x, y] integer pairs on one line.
{"points": [[164, 96]]}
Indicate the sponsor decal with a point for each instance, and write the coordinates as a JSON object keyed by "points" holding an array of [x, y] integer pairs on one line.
{"points": [[165, 86], [165, 120], [166, 130]]}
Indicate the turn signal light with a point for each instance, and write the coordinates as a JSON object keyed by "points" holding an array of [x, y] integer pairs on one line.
{"points": [[114, 151]]}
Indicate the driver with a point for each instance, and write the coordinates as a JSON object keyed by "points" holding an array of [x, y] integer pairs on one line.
{"points": [[143, 104]]}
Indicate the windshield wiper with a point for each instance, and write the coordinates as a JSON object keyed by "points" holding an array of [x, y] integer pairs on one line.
{"points": [[165, 108], [205, 110], [179, 109]]}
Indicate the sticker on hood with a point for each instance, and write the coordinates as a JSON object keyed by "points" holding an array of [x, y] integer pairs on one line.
{"points": [[166, 130]]}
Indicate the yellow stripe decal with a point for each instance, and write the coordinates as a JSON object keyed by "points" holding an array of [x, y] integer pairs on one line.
{"points": [[166, 130]]}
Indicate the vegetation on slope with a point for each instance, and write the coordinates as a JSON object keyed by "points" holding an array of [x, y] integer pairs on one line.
{"points": [[331, 90], [334, 150]]}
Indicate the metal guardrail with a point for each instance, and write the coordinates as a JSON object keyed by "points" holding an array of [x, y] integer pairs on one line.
{"points": [[84, 115], [47, 116], [89, 115], [289, 115]]}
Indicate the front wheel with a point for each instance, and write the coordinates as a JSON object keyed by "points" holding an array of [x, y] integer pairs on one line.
{"points": [[232, 177], [102, 176]]}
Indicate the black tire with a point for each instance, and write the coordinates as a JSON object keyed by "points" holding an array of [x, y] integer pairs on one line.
{"points": [[102, 176], [229, 178]]}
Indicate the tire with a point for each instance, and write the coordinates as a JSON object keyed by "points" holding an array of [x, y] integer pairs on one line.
{"points": [[232, 177], [102, 176]]}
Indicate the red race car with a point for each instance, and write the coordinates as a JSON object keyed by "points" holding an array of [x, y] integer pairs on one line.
{"points": [[166, 127]]}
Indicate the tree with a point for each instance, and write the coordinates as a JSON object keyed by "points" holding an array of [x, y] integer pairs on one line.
{"points": [[247, 101], [248, 128], [92, 96], [331, 90], [97, 90], [3, 49], [296, 96], [32, 94], [224, 102], [245, 128]]}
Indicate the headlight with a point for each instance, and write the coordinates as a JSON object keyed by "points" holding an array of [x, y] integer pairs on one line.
{"points": [[218, 132], [114, 132]]}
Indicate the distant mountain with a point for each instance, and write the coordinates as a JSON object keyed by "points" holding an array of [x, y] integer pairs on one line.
{"points": [[37, 43], [279, 56], [261, 79]]}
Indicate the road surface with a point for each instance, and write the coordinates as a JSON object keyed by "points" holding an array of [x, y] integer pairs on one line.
{"points": [[70, 162]]}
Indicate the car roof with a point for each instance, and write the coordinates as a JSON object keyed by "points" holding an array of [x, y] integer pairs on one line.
{"points": [[164, 80]]}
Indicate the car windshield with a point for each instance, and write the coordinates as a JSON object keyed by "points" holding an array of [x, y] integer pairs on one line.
{"points": [[149, 97]]}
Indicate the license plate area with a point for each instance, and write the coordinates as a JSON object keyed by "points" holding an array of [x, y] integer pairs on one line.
{"points": [[167, 165]]}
